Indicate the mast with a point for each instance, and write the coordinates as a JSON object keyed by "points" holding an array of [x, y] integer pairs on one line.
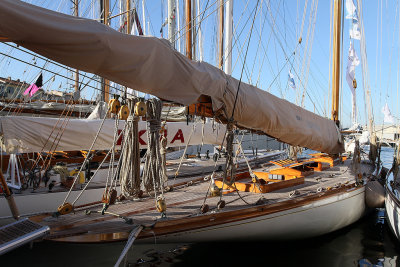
{"points": [[337, 17], [76, 87], [228, 37], [189, 26], [105, 84], [221, 35], [128, 17], [171, 22], [144, 18]]}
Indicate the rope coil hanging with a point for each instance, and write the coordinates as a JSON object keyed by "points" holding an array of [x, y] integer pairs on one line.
{"points": [[154, 172], [130, 166]]}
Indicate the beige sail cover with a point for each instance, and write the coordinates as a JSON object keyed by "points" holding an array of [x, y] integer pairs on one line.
{"points": [[20, 134], [150, 65]]}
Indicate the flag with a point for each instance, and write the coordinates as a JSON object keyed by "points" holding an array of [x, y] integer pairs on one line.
{"points": [[34, 87], [352, 62], [388, 117], [291, 80], [351, 10], [355, 30]]}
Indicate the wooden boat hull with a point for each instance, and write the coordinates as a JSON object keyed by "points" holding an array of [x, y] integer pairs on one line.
{"points": [[297, 218], [309, 220], [392, 205]]}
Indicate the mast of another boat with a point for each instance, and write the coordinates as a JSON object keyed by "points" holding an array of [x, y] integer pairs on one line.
{"points": [[76, 87], [221, 35], [337, 26], [171, 22], [228, 37], [188, 11], [105, 84]]}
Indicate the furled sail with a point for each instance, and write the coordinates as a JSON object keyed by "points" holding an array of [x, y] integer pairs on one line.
{"points": [[150, 65], [21, 134]]}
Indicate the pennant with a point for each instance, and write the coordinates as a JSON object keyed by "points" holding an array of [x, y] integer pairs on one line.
{"points": [[351, 10], [388, 117], [34, 87], [352, 62], [291, 80]]}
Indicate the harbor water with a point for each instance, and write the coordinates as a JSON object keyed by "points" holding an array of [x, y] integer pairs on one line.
{"points": [[368, 242]]}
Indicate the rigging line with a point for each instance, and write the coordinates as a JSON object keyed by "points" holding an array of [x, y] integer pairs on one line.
{"points": [[66, 68], [242, 46], [63, 76], [245, 57], [194, 21]]}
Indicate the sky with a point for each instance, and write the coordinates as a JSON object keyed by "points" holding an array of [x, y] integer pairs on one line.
{"points": [[272, 52]]}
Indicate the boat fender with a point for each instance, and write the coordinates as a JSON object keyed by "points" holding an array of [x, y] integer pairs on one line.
{"points": [[374, 194], [114, 106], [161, 205], [65, 208], [205, 208], [221, 204], [140, 109], [123, 113]]}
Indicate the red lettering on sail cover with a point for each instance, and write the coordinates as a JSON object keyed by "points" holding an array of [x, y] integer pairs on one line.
{"points": [[178, 136], [141, 132]]}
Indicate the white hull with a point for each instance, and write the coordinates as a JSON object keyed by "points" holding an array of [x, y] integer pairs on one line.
{"points": [[392, 206], [314, 219]]}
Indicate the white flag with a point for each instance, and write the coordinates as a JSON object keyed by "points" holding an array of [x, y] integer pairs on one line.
{"points": [[291, 80], [351, 10], [387, 114], [352, 62], [355, 31]]}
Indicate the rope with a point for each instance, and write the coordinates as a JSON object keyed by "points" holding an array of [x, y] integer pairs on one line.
{"points": [[153, 167], [85, 162], [184, 151], [130, 165]]}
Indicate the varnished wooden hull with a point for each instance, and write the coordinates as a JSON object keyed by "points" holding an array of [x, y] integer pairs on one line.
{"points": [[302, 217]]}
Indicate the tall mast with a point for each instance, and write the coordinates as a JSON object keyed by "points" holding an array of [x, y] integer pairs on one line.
{"points": [[171, 22], [221, 35], [144, 18], [189, 28], [337, 30], [76, 87], [105, 84], [128, 17], [228, 37]]}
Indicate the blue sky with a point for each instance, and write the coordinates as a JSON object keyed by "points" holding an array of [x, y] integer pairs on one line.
{"points": [[278, 23]]}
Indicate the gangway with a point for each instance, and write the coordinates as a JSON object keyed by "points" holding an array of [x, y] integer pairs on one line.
{"points": [[19, 233]]}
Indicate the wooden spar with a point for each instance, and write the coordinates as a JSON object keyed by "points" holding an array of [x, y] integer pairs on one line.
{"points": [[9, 197], [128, 17], [337, 30], [221, 36], [77, 90], [105, 84], [189, 31]]}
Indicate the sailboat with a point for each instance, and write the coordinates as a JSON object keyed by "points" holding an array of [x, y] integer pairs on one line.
{"points": [[284, 199], [392, 198]]}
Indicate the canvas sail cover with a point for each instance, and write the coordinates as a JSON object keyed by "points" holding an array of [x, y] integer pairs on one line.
{"points": [[150, 65], [21, 134]]}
